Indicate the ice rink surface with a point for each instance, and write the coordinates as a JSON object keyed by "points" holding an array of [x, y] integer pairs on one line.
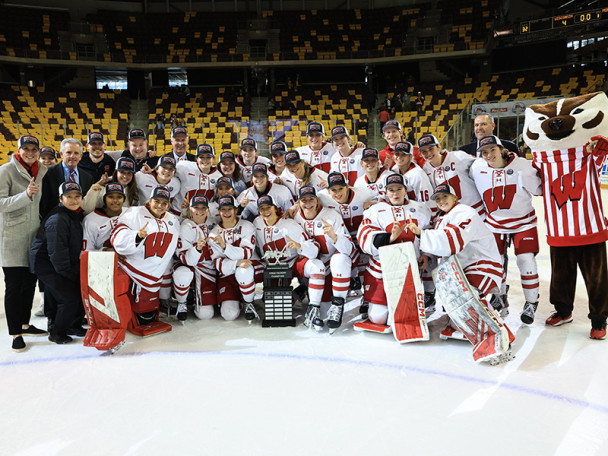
{"points": [[228, 388]]}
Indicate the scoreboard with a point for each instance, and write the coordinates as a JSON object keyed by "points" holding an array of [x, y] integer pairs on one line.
{"points": [[564, 20]]}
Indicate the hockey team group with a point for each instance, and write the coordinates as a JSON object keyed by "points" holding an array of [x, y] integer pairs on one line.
{"points": [[202, 225]]}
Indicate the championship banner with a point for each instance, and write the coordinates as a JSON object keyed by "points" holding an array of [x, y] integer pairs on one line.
{"points": [[507, 108]]}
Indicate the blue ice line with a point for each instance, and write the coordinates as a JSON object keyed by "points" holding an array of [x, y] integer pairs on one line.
{"points": [[365, 363]]}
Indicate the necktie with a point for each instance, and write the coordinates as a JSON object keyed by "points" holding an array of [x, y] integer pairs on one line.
{"points": [[72, 176]]}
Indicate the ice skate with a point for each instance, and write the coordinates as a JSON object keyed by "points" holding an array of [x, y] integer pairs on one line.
{"points": [[527, 315], [250, 312], [182, 312], [367, 325], [450, 332], [335, 314], [355, 287], [364, 309], [312, 318], [500, 303], [429, 302]]}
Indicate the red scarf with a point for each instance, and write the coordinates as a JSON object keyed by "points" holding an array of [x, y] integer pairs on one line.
{"points": [[32, 170]]}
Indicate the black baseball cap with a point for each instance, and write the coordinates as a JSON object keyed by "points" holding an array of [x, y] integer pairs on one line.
{"points": [[391, 124], [69, 187], [205, 149], [307, 190], [125, 164], [339, 130], [48, 150], [404, 147], [335, 179], [28, 139], [278, 146], [226, 201], [199, 200], [178, 131], [224, 180], [259, 168], [137, 133], [113, 187], [370, 152], [96, 136], [442, 188], [166, 160], [489, 140], [227, 154], [161, 192], [249, 142], [293, 156], [315, 127], [266, 199], [427, 140], [395, 179]]}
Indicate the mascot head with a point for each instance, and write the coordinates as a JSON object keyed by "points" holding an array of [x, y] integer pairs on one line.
{"points": [[566, 123]]}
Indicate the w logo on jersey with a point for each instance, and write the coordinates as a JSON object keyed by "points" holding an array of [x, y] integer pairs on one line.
{"points": [[568, 188], [499, 197], [156, 244]]}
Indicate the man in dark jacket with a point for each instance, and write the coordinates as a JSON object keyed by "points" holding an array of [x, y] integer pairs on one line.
{"points": [[95, 161], [137, 151], [484, 125], [66, 171], [55, 258]]}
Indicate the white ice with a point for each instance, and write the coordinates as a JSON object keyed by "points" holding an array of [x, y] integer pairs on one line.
{"points": [[228, 388]]}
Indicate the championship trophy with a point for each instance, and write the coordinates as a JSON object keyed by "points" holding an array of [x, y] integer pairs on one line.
{"points": [[278, 301]]}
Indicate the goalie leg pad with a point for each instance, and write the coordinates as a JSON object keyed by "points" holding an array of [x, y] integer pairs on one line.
{"points": [[480, 324], [404, 292], [105, 298]]}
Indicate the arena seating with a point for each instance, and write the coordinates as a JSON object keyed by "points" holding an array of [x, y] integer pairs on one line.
{"points": [[31, 32], [471, 23], [54, 115], [331, 105], [214, 115]]}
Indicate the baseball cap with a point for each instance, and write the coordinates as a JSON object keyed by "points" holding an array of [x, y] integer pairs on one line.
{"points": [[205, 149], [339, 130], [69, 187], [442, 188], [427, 140], [266, 199], [178, 131], [307, 190], [96, 136], [392, 124], [249, 142], [278, 146], [113, 187], [223, 180], [161, 192], [489, 140], [336, 178], [226, 201], [199, 200], [293, 156], [125, 164], [227, 154], [166, 160], [370, 152], [404, 147], [315, 127], [48, 150], [28, 139], [259, 168], [395, 179], [137, 133]]}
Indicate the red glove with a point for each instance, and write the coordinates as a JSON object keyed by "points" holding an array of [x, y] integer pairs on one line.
{"points": [[601, 146]]}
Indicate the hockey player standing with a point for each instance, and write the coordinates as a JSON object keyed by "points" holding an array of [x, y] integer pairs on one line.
{"points": [[197, 177], [375, 175], [300, 174], [347, 159], [506, 183], [248, 157], [317, 153]]}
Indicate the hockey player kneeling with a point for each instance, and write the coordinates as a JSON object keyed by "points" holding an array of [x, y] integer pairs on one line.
{"points": [[392, 280], [145, 238], [470, 269]]}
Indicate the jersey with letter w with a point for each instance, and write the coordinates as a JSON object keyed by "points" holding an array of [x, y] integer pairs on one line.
{"points": [[573, 210], [147, 260], [507, 194]]}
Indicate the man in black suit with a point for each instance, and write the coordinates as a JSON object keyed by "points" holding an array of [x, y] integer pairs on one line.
{"points": [[484, 125], [179, 142], [66, 171]]}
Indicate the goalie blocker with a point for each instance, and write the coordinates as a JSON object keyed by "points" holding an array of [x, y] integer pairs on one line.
{"points": [[108, 302]]}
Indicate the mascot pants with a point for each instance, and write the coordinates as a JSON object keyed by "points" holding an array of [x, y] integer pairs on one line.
{"points": [[591, 259]]}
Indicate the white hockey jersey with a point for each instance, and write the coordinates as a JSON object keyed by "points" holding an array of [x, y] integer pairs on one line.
{"points": [[463, 233], [96, 230], [381, 218], [279, 193], [193, 181], [378, 187], [352, 211], [454, 170], [146, 183], [507, 194], [419, 187], [240, 245], [314, 228], [349, 167], [246, 169], [273, 238], [146, 261], [320, 159], [294, 184], [189, 234]]}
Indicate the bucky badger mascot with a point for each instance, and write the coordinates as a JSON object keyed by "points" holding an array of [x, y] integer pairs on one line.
{"points": [[567, 142]]}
